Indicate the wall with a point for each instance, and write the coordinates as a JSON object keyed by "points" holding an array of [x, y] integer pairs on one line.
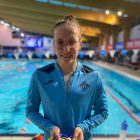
{"points": [[103, 47], [6, 37], [47, 42], [85, 45], [94, 43], [135, 32], [7, 40], [111, 39], [120, 37]]}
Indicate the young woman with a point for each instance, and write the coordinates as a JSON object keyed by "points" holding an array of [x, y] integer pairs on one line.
{"points": [[69, 91]]}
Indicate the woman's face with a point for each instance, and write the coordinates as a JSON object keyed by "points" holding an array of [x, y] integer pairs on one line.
{"points": [[67, 33]]}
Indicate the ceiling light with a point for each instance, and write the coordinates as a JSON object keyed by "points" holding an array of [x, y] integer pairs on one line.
{"points": [[125, 15], [17, 29], [119, 13], [6, 24], [2, 22], [22, 34], [107, 12], [13, 27]]}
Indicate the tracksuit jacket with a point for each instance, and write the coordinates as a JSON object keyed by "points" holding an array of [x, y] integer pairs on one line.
{"points": [[63, 109]]}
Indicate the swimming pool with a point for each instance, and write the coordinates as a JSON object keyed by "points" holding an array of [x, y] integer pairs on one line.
{"points": [[13, 92]]}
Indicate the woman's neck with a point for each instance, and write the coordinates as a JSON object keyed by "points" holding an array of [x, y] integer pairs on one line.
{"points": [[68, 69]]}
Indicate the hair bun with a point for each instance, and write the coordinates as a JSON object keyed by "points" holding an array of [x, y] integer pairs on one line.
{"points": [[70, 17]]}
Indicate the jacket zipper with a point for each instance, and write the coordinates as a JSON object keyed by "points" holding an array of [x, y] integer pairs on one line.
{"points": [[66, 104], [67, 97]]}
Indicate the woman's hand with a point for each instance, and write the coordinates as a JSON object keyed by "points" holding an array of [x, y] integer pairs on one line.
{"points": [[55, 132], [78, 133]]}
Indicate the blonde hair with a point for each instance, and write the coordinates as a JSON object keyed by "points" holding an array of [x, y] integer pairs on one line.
{"points": [[68, 20]]}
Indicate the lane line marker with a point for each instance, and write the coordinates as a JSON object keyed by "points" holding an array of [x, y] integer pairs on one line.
{"points": [[124, 107]]}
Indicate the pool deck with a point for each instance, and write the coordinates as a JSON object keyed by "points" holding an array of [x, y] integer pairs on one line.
{"points": [[29, 138], [123, 70]]}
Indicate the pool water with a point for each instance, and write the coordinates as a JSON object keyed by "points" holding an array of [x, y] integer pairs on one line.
{"points": [[13, 93]]}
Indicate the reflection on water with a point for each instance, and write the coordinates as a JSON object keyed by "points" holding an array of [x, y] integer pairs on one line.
{"points": [[6, 126]]}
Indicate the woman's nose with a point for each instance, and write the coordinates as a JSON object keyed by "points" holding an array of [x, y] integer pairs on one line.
{"points": [[66, 47]]}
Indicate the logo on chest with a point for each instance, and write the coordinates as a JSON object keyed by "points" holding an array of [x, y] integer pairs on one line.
{"points": [[84, 86], [49, 82], [55, 84]]}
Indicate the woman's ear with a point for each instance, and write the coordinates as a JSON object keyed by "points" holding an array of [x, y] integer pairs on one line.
{"points": [[80, 45], [54, 46]]}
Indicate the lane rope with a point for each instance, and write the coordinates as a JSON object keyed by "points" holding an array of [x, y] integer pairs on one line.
{"points": [[124, 107]]}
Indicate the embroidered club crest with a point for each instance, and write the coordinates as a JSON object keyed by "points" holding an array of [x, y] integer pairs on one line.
{"points": [[84, 86]]}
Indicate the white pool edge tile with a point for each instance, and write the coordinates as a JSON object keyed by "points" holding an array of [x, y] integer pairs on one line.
{"points": [[120, 72]]}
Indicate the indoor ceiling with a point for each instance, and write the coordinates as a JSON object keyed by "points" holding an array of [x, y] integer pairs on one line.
{"points": [[41, 15]]}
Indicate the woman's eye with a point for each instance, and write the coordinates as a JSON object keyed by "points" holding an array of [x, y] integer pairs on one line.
{"points": [[72, 42], [60, 42]]}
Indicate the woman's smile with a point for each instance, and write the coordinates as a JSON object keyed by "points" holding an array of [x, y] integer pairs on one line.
{"points": [[66, 56]]}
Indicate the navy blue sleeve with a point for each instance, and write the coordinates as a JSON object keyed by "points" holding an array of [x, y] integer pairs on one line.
{"points": [[32, 107], [100, 108]]}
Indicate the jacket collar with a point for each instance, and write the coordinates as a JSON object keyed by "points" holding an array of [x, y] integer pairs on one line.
{"points": [[57, 67]]}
